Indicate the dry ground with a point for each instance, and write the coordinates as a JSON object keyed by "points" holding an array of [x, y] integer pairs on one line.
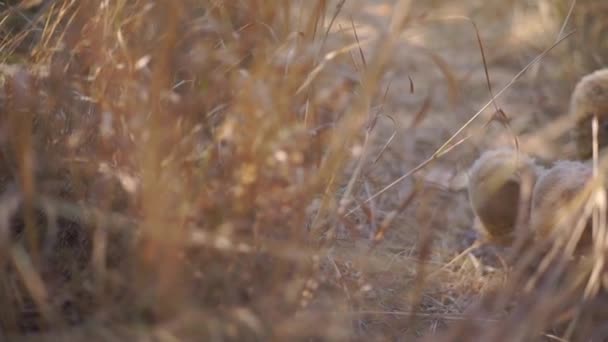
{"points": [[438, 69]]}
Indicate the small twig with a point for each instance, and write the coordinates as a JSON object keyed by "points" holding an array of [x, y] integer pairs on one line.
{"points": [[358, 42], [565, 23], [420, 314], [474, 246]]}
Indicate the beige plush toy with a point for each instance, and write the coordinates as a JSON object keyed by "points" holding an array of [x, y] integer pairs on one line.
{"points": [[589, 98], [558, 202], [498, 183]]}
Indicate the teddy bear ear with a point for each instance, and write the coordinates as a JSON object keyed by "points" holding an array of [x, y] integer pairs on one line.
{"points": [[498, 210], [495, 184], [558, 200]]}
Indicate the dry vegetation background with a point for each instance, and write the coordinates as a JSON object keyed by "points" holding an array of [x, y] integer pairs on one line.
{"points": [[250, 170]]}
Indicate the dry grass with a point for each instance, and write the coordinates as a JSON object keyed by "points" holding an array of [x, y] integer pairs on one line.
{"points": [[225, 170], [588, 51]]}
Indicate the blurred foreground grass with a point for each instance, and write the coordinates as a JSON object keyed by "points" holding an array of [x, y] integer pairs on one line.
{"points": [[164, 164]]}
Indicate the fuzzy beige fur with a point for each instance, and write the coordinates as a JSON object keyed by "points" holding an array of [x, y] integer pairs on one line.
{"points": [[495, 191], [560, 195], [589, 98]]}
